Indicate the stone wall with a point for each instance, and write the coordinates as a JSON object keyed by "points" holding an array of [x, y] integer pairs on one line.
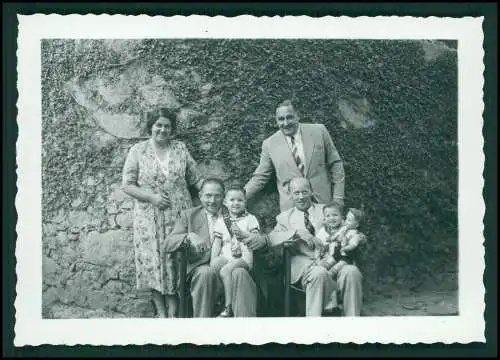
{"points": [[389, 105]]}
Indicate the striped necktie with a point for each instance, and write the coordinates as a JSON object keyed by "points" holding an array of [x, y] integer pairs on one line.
{"points": [[308, 224], [296, 156]]}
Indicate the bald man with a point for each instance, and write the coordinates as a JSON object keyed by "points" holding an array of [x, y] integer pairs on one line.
{"points": [[296, 228]]}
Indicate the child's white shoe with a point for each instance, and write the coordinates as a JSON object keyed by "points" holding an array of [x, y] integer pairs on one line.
{"points": [[227, 312]]}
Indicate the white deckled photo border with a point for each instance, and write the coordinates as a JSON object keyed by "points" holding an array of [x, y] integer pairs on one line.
{"points": [[468, 326]]}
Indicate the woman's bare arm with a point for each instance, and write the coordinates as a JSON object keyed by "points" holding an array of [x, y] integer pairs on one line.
{"points": [[129, 182], [138, 193], [159, 200]]}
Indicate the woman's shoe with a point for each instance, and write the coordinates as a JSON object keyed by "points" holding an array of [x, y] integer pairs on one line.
{"points": [[227, 312]]}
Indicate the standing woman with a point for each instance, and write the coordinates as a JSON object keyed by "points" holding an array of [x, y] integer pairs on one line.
{"points": [[157, 174]]}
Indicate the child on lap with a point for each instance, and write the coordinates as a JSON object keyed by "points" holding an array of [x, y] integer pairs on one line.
{"points": [[349, 238], [338, 240], [228, 249]]}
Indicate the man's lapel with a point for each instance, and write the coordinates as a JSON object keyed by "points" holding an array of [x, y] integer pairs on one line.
{"points": [[200, 224], [284, 150], [308, 142]]}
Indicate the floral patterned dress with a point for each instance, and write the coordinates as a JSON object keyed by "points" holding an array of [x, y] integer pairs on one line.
{"points": [[154, 269]]}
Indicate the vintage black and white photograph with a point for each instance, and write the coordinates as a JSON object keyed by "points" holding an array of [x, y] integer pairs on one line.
{"points": [[278, 177]]}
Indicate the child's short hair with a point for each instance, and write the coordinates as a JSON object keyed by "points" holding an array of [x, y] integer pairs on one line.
{"points": [[358, 214], [333, 205], [236, 187]]}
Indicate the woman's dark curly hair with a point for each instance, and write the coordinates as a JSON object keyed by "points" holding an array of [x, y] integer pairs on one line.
{"points": [[154, 115]]}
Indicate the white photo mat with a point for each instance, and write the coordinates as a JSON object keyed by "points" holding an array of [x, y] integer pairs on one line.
{"points": [[468, 326]]}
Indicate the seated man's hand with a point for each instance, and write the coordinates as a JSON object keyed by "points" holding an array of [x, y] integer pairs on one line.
{"points": [[198, 250], [319, 244], [196, 243], [323, 263], [306, 236], [255, 241], [323, 249], [292, 240]]}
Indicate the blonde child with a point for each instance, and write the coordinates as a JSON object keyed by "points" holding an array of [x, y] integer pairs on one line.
{"points": [[229, 251]]}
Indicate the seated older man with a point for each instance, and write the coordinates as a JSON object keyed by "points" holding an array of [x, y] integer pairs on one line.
{"points": [[296, 228], [196, 227]]}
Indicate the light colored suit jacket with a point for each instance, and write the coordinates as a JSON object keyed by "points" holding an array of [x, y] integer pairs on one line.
{"points": [[323, 165], [191, 220], [286, 224]]}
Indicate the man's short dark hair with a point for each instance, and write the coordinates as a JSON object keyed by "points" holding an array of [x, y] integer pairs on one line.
{"points": [[286, 103], [213, 181]]}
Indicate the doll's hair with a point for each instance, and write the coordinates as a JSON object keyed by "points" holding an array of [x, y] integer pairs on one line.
{"points": [[358, 214]]}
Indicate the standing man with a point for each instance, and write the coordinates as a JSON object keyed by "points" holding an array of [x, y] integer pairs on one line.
{"points": [[299, 150], [195, 226], [296, 228]]}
